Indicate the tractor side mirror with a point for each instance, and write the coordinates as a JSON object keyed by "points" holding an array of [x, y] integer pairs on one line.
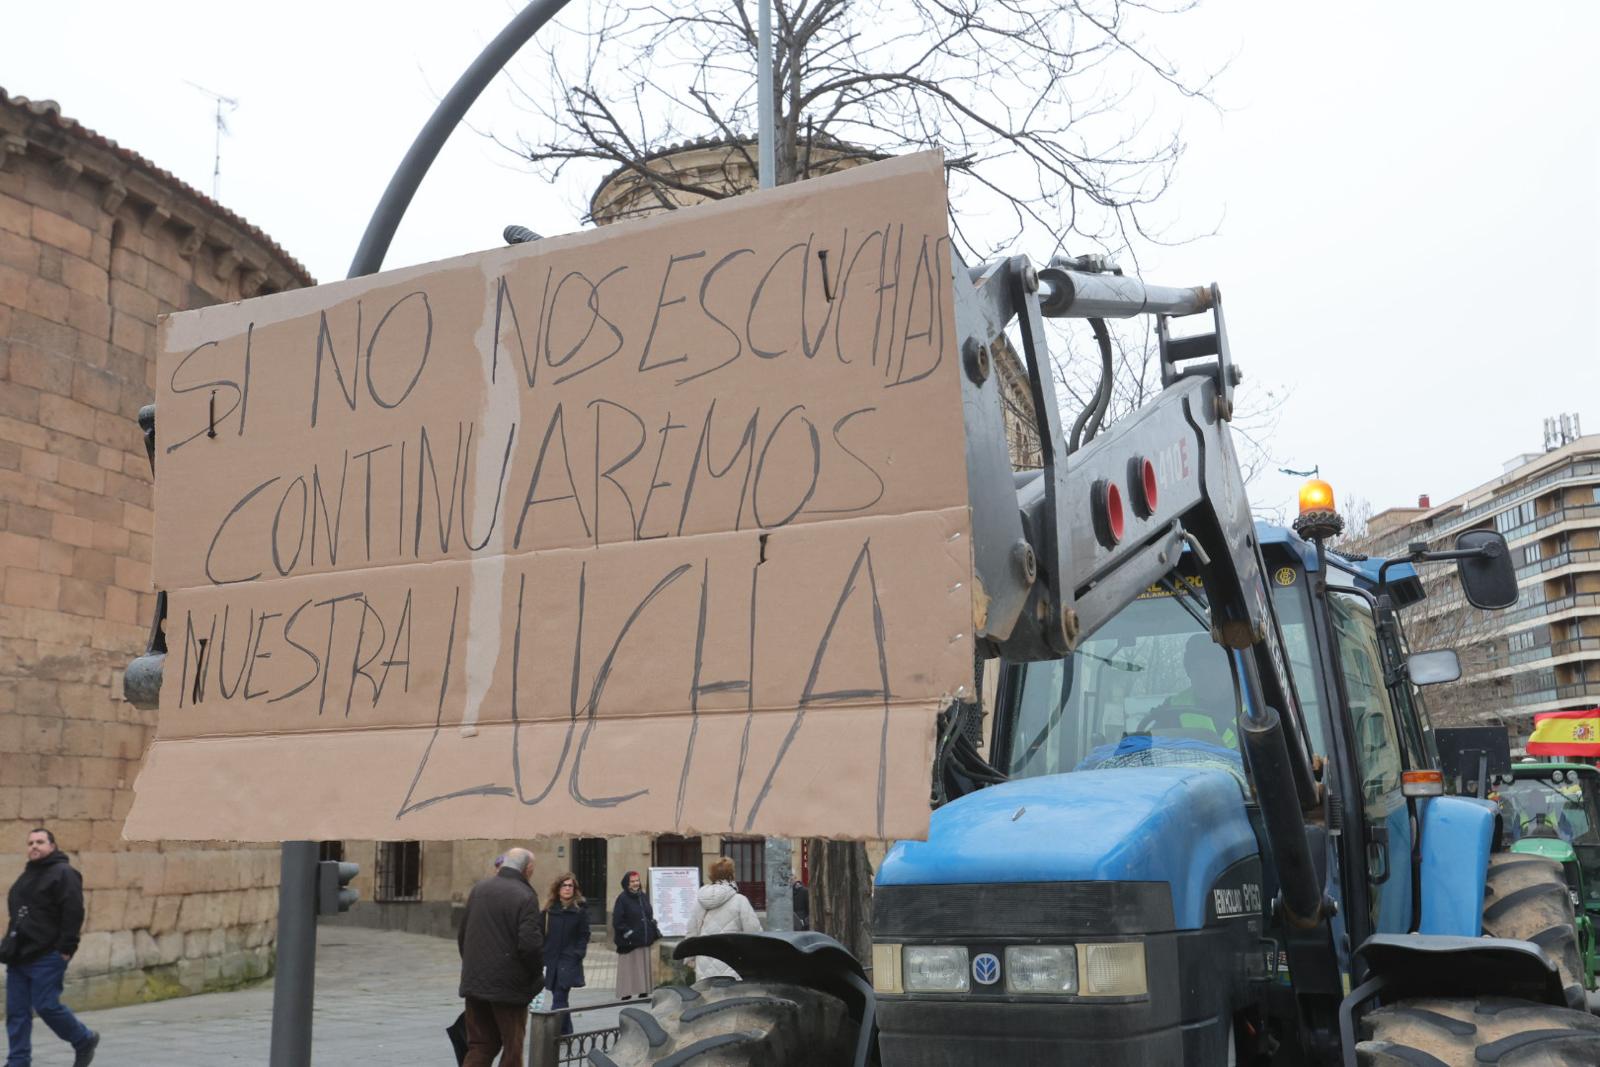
{"points": [[1488, 579], [1434, 668]]}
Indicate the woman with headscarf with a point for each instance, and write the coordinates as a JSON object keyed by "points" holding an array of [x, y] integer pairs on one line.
{"points": [[566, 943], [633, 928]]}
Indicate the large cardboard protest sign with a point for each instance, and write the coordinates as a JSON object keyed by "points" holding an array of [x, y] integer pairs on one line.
{"points": [[655, 528]]}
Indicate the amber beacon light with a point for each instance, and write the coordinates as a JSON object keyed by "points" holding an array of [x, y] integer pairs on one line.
{"points": [[1316, 495], [1319, 519]]}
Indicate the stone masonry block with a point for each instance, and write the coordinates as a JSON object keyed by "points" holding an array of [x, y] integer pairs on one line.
{"points": [[145, 950], [139, 911], [48, 300], [38, 803], [67, 415], [49, 372], [230, 905], [94, 953], [202, 911], [79, 597], [31, 589], [62, 232], [109, 910], [99, 869], [83, 276], [170, 946], [164, 917], [122, 956], [15, 215]]}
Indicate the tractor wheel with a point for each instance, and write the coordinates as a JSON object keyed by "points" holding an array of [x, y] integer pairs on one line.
{"points": [[1450, 1032], [1527, 899], [725, 1023]]}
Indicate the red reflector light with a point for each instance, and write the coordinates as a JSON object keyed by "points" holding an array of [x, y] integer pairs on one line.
{"points": [[1105, 508], [1142, 486], [1115, 519]]}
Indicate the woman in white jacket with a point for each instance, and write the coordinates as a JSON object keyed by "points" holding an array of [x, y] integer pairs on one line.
{"points": [[720, 908]]}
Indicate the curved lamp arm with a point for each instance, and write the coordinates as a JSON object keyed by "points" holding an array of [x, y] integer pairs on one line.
{"points": [[403, 186]]}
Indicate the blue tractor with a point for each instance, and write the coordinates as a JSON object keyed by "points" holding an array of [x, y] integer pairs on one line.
{"points": [[1201, 820]]}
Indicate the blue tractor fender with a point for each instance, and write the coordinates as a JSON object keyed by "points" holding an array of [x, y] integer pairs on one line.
{"points": [[1457, 833]]}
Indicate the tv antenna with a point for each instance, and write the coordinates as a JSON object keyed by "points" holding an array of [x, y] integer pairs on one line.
{"points": [[231, 105]]}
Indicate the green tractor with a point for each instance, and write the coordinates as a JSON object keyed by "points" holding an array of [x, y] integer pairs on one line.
{"points": [[1553, 810]]}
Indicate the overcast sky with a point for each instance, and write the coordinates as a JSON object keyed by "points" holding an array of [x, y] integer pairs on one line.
{"points": [[1403, 194]]}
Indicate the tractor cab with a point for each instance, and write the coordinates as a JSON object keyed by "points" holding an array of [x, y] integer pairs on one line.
{"points": [[1553, 810]]}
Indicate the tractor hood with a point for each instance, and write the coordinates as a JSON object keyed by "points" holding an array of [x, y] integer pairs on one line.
{"points": [[1549, 847], [1179, 825]]}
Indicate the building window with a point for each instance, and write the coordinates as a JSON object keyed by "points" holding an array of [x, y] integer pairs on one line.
{"points": [[670, 850], [749, 856], [1531, 553], [399, 873], [330, 851], [589, 864], [1512, 518]]}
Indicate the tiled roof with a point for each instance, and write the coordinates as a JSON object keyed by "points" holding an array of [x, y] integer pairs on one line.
{"points": [[49, 112]]}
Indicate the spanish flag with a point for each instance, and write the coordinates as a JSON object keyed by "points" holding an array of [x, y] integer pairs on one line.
{"points": [[1566, 733]]}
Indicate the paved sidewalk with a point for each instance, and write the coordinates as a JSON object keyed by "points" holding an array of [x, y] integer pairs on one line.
{"points": [[382, 998]]}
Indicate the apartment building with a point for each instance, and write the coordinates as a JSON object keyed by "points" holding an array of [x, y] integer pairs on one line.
{"points": [[1543, 654]]}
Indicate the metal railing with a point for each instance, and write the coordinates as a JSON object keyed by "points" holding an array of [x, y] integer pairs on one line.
{"points": [[1394, 543], [1574, 691], [1564, 558], [1553, 649], [1567, 513], [549, 1047], [1548, 607], [1571, 473]]}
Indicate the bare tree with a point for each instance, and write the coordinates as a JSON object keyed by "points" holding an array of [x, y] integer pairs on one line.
{"points": [[1357, 515], [1136, 380], [1042, 107]]}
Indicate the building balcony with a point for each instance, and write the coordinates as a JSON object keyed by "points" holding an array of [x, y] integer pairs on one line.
{"points": [[1570, 513], [1584, 471], [1557, 696], [1555, 650], [1512, 619], [1572, 557]]}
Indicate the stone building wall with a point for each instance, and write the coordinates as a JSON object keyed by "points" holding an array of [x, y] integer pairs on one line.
{"points": [[96, 244]]}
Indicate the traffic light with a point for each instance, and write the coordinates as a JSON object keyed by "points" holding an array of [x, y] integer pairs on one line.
{"points": [[334, 893]]}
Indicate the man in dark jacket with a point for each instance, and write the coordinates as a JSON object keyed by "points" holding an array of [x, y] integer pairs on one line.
{"points": [[46, 914], [802, 905], [502, 956]]}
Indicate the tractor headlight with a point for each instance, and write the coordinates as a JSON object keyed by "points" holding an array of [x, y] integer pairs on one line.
{"points": [[935, 968], [1042, 969], [1113, 969]]}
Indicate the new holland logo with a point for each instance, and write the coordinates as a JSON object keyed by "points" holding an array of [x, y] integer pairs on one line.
{"points": [[985, 968]]}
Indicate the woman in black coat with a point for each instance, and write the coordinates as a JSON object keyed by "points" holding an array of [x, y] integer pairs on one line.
{"points": [[633, 928], [566, 942]]}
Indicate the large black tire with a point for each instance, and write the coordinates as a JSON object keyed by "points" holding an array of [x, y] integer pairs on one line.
{"points": [[1527, 899], [724, 1023], [1448, 1032]]}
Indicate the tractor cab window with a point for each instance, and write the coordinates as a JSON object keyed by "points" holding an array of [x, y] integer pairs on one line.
{"points": [[1293, 608], [1149, 689], [1371, 713], [1535, 807]]}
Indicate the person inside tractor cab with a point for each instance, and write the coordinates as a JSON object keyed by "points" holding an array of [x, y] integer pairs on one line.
{"points": [[1532, 808], [1205, 710]]}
